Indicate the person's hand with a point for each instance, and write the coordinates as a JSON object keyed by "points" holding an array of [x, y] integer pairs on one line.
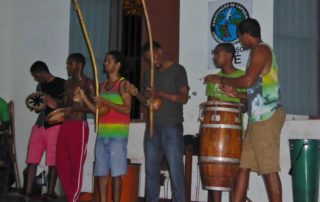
{"points": [[153, 93], [228, 90], [212, 78], [99, 101], [131, 89], [50, 102], [79, 95]]}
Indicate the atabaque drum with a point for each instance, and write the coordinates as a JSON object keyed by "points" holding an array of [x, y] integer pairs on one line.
{"points": [[220, 144]]}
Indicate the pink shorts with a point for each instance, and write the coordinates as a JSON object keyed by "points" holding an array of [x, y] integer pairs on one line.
{"points": [[42, 139]]}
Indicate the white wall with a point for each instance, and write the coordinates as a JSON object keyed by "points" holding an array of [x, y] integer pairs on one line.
{"points": [[5, 47], [30, 30]]}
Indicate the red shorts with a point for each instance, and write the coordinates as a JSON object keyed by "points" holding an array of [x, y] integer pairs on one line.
{"points": [[42, 139]]}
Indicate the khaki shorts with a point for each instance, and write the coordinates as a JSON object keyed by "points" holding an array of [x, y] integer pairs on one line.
{"points": [[261, 144]]}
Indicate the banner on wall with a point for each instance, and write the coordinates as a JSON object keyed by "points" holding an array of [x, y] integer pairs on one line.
{"points": [[224, 17]]}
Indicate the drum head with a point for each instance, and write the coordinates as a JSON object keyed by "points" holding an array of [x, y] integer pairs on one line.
{"points": [[57, 116], [36, 101]]}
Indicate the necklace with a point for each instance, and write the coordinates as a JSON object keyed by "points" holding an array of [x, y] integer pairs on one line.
{"points": [[110, 85]]}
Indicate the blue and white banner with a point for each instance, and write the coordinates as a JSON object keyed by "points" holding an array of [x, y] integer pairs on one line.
{"points": [[224, 17]]}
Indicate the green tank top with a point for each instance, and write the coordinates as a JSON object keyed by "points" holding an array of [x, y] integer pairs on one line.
{"points": [[213, 90], [264, 95]]}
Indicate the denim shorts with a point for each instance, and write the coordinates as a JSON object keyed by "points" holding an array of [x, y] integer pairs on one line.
{"points": [[111, 155]]}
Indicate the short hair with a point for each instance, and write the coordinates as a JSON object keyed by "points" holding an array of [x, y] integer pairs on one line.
{"points": [[119, 57], [250, 26], [146, 46], [77, 57], [228, 47], [38, 67]]}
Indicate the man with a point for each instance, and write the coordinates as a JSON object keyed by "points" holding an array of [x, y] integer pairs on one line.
{"points": [[4, 115], [260, 151], [171, 85], [74, 131], [223, 57], [44, 135]]}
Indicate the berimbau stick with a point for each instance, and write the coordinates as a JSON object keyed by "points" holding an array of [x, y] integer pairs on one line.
{"points": [[93, 59]]}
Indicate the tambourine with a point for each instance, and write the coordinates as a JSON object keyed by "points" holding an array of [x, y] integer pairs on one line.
{"points": [[56, 116], [35, 101]]}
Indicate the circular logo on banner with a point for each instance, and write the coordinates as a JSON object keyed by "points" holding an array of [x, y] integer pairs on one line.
{"points": [[225, 21]]}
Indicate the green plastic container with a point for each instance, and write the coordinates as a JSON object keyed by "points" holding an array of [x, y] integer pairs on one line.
{"points": [[305, 168]]}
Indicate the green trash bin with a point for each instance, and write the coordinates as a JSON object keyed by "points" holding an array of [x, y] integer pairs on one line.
{"points": [[305, 164]]}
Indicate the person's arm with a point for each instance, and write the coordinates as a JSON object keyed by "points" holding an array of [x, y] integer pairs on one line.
{"points": [[181, 96], [259, 57], [85, 99], [89, 91], [90, 94], [125, 108]]}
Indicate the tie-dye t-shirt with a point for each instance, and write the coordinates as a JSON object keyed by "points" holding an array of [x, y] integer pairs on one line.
{"points": [[113, 124], [213, 90], [264, 95]]}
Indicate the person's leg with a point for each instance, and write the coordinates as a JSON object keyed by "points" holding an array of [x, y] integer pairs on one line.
{"points": [[52, 179], [78, 151], [103, 188], [153, 155], [101, 165], [241, 186], [51, 144], [116, 188], [172, 143], [63, 159], [217, 196], [118, 164], [273, 186], [214, 196], [247, 164], [31, 173], [36, 148], [267, 149]]}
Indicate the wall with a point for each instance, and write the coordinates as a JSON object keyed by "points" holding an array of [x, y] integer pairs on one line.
{"points": [[30, 30], [296, 36], [5, 47]]}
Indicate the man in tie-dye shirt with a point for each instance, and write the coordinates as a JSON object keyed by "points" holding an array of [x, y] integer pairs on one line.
{"points": [[114, 105], [260, 151]]}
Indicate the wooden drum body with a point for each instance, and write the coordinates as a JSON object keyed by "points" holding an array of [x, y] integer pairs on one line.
{"points": [[220, 144]]}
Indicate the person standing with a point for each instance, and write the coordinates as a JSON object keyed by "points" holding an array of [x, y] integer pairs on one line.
{"points": [[114, 105], [223, 57], [261, 145], [74, 131], [43, 134], [171, 86]]}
